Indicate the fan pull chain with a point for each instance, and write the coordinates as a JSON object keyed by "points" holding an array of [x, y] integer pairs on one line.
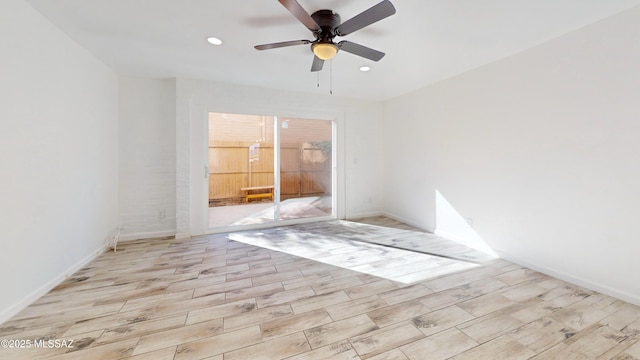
{"points": [[318, 78], [331, 77]]}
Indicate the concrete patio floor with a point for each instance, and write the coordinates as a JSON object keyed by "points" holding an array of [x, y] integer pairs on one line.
{"points": [[263, 212]]}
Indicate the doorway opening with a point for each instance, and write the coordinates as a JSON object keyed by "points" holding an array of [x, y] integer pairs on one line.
{"points": [[267, 169]]}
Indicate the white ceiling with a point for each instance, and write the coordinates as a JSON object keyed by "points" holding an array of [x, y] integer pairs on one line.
{"points": [[425, 41]]}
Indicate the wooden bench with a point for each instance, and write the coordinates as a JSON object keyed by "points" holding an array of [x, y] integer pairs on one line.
{"points": [[257, 192]]}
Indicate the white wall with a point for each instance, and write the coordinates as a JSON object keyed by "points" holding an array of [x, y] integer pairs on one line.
{"points": [[58, 156], [359, 150], [539, 150], [147, 153]]}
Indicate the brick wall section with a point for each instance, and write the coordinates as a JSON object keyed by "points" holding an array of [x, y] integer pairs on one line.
{"points": [[147, 185]]}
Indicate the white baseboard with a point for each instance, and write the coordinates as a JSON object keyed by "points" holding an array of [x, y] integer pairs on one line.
{"points": [[604, 289], [146, 235], [363, 215], [31, 298], [182, 236], [446, 235], [406, 221], [480, 247]]}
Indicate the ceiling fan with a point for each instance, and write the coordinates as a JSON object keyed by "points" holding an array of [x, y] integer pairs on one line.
{"points": [[325, 26]]}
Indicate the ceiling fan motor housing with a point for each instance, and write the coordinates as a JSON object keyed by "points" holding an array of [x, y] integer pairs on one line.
{"points": [[328, 20]]}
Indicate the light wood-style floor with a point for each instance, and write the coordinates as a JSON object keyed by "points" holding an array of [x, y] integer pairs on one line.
{"points": [[333, 290]]}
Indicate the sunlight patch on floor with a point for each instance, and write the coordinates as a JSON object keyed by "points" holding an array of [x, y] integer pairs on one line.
{"points": [[394, 264]]}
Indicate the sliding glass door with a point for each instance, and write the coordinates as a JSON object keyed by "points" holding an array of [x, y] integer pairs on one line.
{"points": [[305, 168], [244, 186]]}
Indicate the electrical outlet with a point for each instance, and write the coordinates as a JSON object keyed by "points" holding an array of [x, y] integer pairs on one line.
{"points": [[161, 214]]}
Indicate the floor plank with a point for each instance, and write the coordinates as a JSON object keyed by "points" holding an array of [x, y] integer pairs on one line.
{"points": [[373, 289]]}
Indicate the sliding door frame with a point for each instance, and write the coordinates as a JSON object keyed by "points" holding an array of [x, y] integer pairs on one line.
{"points": [[199, 183]]}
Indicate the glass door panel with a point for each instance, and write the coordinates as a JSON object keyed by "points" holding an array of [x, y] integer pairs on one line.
{"points": [[241, 169], [306, 165]]}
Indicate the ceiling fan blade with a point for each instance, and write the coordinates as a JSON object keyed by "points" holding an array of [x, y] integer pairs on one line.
{"points": [[301, 14], [281, 44], [317, 64], [360, 50], [373, 14]]}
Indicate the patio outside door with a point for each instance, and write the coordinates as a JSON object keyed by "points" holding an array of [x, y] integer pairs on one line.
{"points": [[244, 151]]}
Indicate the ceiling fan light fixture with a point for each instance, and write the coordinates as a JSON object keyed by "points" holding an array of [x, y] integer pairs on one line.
{"points": [[324, 51]]}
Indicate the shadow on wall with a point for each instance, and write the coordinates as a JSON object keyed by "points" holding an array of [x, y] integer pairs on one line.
{"points": [[451, 225]]}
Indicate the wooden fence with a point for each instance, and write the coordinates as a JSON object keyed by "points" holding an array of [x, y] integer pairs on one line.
{"points": [[305, 169]]}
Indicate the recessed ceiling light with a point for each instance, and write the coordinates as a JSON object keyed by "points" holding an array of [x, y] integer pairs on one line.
{"points": [[365, 68], [214, 41]]}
